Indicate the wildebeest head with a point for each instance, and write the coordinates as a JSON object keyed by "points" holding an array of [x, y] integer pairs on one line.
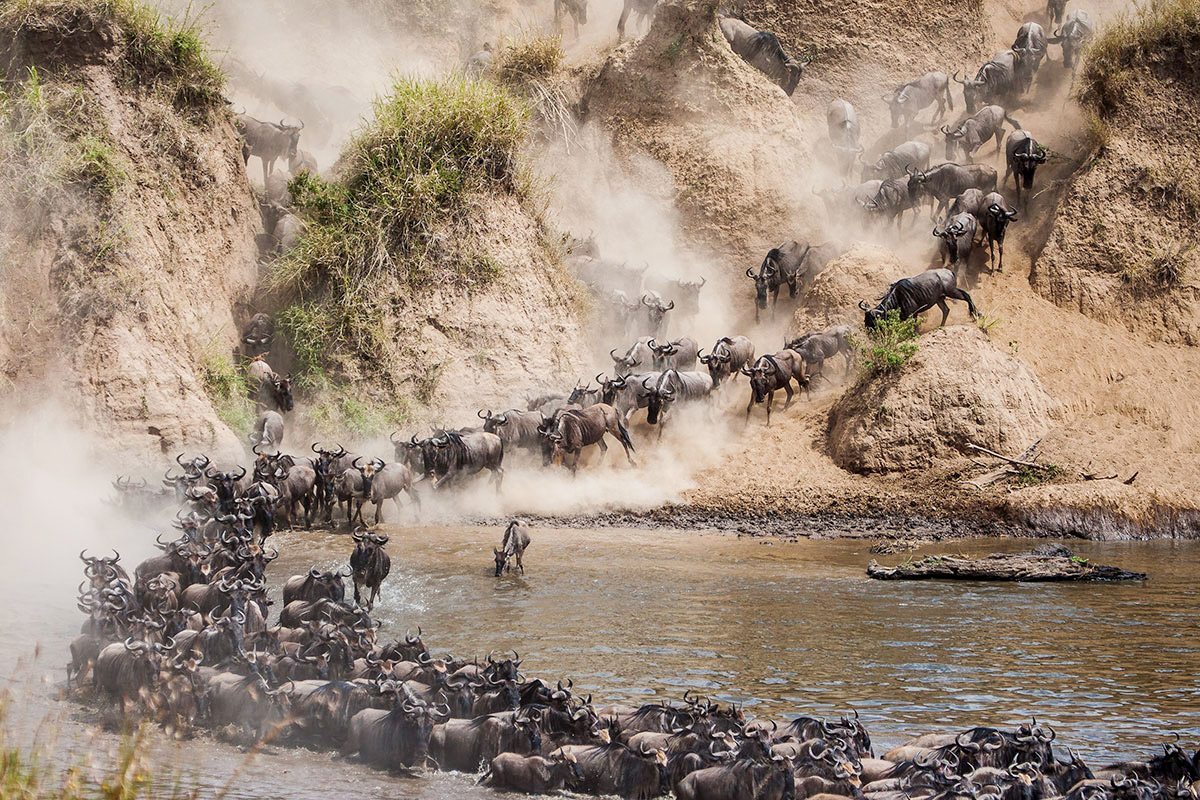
{"points": [[656, 309], [609, 388], [898, 102], [658, 398], [492, 422], [224, 483], [761, 375], [368, 472], [281, 391], [293, 134], [585, 395], [954, 140], [973, 89], [871, 316], [718, 362], [761, 283]]}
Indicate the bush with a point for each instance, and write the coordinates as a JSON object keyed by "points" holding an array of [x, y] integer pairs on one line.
{"points": [[164, 55], [889, 344], [387, 225]]}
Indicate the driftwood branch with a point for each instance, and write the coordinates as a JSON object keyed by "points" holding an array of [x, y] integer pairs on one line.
{"points": [[1015, 461], [1005, 471]]}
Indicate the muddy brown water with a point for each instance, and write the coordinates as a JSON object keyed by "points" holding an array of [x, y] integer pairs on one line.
{"points": [[782, 627]]}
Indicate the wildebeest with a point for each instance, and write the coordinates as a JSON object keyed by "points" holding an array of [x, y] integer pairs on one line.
{"points": [[512, 548], [314, 585], [762, 50], [1023, 155], [783, 265], [624, 392], [970, 201], [818, 347], [673, 387], [993, 83], [685, 294], [842, 123], [576, 429], [577, 9], [745, 779], [259, 333], [246, 701], [389, 482], [895, 196], [975, 131], [679, 354], [267, 140], [396, 738], [123, 669], [616, 769], [369, 565], [284, 227], [465, 454], [1029, 48], [903, 158], [1075, 33], [516, 428], [653, 314], [642, 8], [909, 99], [945, 182], [958, 238], [355, 485], [912, 296], [727, 358], [269, 389], [465, 744], [268, 431], [638, 354], [773, 372], [996, 218], [1055, 9], [533, 774], [302, 161]]}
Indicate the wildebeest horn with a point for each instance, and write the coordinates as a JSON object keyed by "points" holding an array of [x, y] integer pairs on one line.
{"points": [[613, 353], [956, 79], [600, 379], [480, 414], [314, 573], [648, 305], [945, 129], [863, 305], [670, 306], [354, 463]]}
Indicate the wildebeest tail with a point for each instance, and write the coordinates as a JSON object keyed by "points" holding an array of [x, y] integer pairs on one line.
{"points": [[623, 432], [1012, 122]]}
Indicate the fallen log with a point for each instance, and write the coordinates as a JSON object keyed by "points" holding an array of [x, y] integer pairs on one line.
{"points": [[1045, 564]]}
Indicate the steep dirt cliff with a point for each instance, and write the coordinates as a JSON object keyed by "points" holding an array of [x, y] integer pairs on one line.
{"points": [[129, 231]]}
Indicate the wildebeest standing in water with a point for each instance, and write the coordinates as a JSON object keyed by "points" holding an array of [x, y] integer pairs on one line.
{"points": [[577, 9], [512, 548], [912, 296], [369, 565], [762, 50]]}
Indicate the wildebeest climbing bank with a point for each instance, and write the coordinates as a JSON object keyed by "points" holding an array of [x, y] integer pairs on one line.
{"points": [[514, 396]]}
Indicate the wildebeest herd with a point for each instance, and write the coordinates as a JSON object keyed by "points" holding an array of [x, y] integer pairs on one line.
{"points": [[187, 640]]}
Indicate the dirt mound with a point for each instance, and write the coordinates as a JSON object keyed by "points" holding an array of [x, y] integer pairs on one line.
{"points": [[862, 273], [731, 139], [1123, 247], [1103, 510], [135, 227], [959, 388]]}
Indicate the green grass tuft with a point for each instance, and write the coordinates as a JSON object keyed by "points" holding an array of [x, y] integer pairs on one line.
{"points": [[533, 58], [226, 387], [386, 226], [890, 344]]}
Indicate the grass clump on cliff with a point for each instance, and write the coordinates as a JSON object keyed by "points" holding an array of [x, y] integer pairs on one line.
{"points": [[164, 54], [1159, 32], [387, 226], [534, 58], [887, 346], [226, 387]]}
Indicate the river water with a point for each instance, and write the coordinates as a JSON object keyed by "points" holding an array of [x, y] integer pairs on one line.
{"points": [[782, 627]]}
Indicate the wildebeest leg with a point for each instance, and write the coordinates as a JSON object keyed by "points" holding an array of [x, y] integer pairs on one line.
{"points": [[520, 565], [626, 442], [379, 512], [621, 21], [770, 397], [498, 475], [750, 405], [945, 308], [267, 167], [412, 493], [960, 294], [787, 387], [603, 445], [357, 596], [1000, 267]]}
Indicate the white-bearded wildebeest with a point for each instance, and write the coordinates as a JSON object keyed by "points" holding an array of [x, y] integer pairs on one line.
{"points": [[974, 132], [624, 392], [817, 347], [745, 779], [302, 161], [369, 565], [463, 745], [464, 454], [945, 182], [900, 160], [389, 482], [1075, 33], [124, 669], [355, 485], [533, 774], [842, 123], [246, 701], [638, 354], [958, 239], [773, 372], [996, 218], [1022, 156], [679, 354], [580, 428], [686, 295], [259, 333], [848, 200], [653, 317], [895, 196], [516, 428], [762, 50], [512, 548], [644, 9], [577, 9], [398, 738], [268, 431], [270, 390], [915, 295], [782, 265], [1029, 48], [995, 82], [314, 585], [911, 98], [267, 140], [671, 388], [969, 201], [616, 769], [727, 358]]}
